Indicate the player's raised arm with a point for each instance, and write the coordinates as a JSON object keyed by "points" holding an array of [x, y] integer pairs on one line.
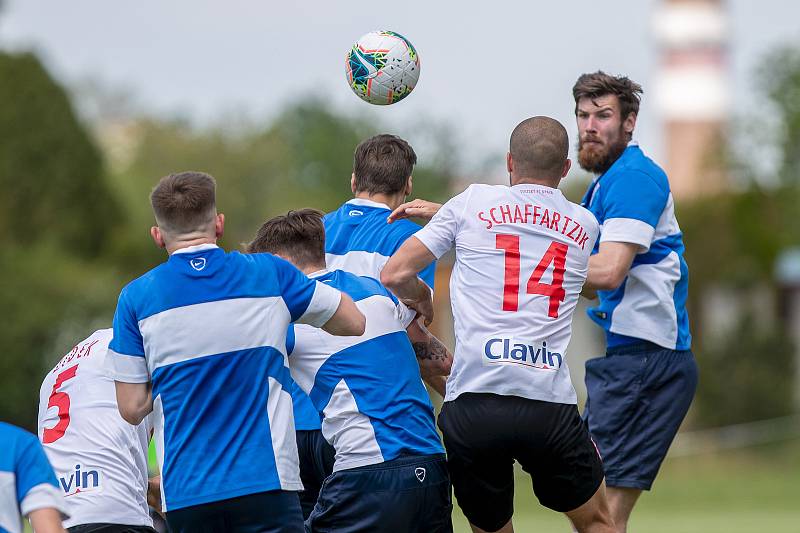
{"points": [[400, 276], [416, 208]]}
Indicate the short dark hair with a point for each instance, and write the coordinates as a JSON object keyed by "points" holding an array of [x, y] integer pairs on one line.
{"points": [[598, 84], [382, 164], [539, 147], [184, 202], [297, 234]]}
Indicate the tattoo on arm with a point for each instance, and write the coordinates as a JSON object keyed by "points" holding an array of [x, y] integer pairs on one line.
{"points": [[431, 349]]}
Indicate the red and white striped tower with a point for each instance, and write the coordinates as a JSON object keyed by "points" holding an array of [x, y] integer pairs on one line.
{"points": [[692, 92]]}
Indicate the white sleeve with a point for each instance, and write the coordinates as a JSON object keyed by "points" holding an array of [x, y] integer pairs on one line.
{"points": [[322, 307], [43, 496], [628, 230], [126, 368], [439, 234], [404, 314]]}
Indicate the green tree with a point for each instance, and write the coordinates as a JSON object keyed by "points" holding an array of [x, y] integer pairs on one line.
{"points": [[56, 216]]}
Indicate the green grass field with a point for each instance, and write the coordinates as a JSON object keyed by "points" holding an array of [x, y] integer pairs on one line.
{"points": [[752, 491]]}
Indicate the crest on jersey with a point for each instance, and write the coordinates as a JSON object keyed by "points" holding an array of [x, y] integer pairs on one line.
{"points": [[420, 473], [198, 263]]}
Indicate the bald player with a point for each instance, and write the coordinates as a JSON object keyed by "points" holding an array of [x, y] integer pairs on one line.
{"points": [[522, 256]]}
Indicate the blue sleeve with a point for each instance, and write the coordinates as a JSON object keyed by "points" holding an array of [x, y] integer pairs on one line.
{"points": [[635, 195], [127, 337], [296, 289], [32, 467]]}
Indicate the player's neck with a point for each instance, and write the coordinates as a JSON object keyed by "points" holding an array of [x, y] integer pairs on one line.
{"points": [[177, 244], [310, 269], [391, 200], [534, 181]]}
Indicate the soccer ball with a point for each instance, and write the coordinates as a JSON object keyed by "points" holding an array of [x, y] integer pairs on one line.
{"points": [[382, 67]]}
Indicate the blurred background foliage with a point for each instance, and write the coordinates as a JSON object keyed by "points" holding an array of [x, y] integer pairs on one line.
{"points": [[74, 220]]}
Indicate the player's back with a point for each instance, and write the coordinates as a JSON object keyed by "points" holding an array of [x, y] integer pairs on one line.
{"points": [[521, 259], [100, 460], [208, 328], [368, 388], [359, 240]]}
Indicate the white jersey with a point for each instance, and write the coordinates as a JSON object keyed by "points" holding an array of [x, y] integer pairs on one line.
{"points": [[522, 255], [100, 460]]}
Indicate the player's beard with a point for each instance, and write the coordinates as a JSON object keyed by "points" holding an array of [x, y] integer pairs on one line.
{"points": [[597, 158]]}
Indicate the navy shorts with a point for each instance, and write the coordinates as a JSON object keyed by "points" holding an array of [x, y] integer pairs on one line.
{"points": [[275, 511], [316, 463], [409, 494], [638, 395], [109, 528]]}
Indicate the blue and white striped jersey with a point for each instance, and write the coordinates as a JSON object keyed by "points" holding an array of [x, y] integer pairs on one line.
{"points": [[368, 388], [633, 203], [27, 481], [208, 328], [358, 239]]}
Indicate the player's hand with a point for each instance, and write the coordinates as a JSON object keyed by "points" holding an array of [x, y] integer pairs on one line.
{"points": [[423, 307], [154, 494], [415, 208]]}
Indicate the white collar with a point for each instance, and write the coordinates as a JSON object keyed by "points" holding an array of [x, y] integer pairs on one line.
{"points": [[195, 248], [318, 273], [367, 203], [633, 143]]}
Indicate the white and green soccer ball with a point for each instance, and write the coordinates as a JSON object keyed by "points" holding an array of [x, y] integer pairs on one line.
{"points": [[382, 67]]}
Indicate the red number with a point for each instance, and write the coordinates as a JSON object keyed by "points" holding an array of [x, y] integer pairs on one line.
{"points": [[556, 255], [60, 400], [510, 243]]}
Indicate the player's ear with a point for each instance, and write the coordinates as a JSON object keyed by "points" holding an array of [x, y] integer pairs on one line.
{"points": [[409, 186], [155, 233], [509, 163], [353, 182], [567, 166], [219, 225], [630, 123]]}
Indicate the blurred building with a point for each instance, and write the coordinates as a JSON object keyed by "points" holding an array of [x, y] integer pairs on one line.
{"points": [[692, 92]]}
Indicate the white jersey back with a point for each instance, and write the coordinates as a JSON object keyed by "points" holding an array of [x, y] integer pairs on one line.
{"points": [[522, 256], [99, 459]]}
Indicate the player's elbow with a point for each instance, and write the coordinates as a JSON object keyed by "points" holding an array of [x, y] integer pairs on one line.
{"points": [[607, 279], [392, 276], [131, 415], [347, 321]]}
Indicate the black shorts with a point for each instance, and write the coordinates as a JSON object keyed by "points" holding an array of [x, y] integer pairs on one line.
{"points": [[110, 528], [316, 463], [485, 433]]}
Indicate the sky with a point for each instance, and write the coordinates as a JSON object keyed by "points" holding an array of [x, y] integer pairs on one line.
{"points": [[485, 65]]}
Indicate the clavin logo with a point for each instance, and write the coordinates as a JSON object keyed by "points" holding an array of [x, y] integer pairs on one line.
{"points": [[80, 481], [504, 350]]}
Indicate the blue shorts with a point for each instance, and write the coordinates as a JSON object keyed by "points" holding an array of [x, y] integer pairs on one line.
{"points": [[276, 511], [638, 395], [409, 494], [316, 463]]}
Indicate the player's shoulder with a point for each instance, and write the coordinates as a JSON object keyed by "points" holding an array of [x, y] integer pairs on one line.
{"points": [[586, 217], [357, 287], [15, 440], [633, 165]]}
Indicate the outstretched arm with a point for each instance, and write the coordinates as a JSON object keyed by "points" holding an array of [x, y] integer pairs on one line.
{"points": [[400, 276], [347, 320], [134, 401], [609, 266], [416, 208]]}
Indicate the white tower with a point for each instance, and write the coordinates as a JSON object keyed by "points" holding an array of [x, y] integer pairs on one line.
{"points": [[692, 92]]}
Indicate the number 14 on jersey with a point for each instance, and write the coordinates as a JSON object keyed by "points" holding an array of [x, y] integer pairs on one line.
{"points": [[556, 255]]}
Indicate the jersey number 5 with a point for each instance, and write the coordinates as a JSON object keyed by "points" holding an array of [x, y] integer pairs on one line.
{"points": [[556, 254], [60, 400]]}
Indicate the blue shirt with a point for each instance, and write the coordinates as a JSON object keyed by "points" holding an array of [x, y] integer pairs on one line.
{"points": [[208, 328], [358, 239], [27, 481], [368, 388], [633, 204]]}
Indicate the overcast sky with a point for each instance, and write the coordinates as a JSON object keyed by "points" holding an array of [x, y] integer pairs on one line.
{"points": [[485, 65]]}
